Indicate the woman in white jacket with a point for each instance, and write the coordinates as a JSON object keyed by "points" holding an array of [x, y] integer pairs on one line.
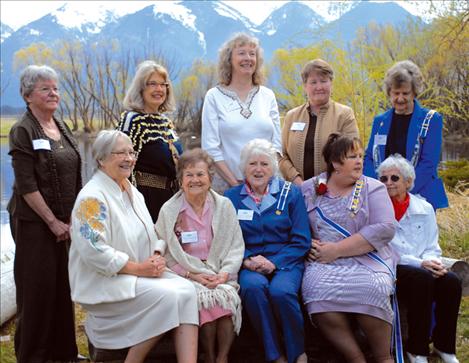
{"points": [[117, 272], [421, 277]]}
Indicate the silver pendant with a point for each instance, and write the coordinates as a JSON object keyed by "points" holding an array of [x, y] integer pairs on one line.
{"points": [[245, 112]]}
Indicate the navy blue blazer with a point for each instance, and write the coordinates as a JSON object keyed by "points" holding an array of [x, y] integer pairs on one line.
{"points": [[282, 235], [427, 182]]}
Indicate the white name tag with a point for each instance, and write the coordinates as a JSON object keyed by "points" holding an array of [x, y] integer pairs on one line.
{"points": [[41, 144], [297, 126], [189, 237], [380, 139], [245, 214]]}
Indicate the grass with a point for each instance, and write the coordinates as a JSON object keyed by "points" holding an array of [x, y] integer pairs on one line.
{"points": [[6, 122], [454, 240]]}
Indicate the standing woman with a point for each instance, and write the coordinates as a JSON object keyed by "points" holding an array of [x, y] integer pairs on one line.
{"points": [[409, 130], [307, 127], [238, 109], [152, 133], [47, 168]]}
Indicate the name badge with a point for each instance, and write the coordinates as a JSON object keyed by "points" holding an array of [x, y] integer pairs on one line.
{"points": [[245, 214], [380, 139], [297, 126], [189, 237], [41, 144]]}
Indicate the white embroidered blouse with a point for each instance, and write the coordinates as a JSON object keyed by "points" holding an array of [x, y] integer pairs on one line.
{"points": [[229, 123]]}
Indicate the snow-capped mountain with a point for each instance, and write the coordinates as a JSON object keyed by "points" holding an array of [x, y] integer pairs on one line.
{"points": [[5, 32], [181, 31], [289, 25]]}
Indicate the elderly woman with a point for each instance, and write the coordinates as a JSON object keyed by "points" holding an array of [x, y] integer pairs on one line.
{"points": [[117, 272], [47, 169], [307, 127], [421, 277], [273, 219], [409, 130], [153, 136], [350, 269], [238, 109], [206, 246]]}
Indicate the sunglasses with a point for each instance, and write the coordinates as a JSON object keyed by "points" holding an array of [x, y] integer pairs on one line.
{"points": [[384, 178]]}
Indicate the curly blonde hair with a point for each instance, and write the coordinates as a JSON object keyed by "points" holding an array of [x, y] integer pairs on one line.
{"points": [[133, 99], [226, 52]]}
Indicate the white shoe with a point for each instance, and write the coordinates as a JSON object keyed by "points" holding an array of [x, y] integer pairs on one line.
{"points": [[416, 358], [446, 357]]}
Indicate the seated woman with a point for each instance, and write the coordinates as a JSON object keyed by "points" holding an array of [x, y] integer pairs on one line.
{"points": [[117, 272], [206, 246], [350, 216], [275, 228], [421, 277]]}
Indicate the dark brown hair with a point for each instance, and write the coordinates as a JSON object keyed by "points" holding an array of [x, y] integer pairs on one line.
{"points": [[336, 148], [192, 157]]}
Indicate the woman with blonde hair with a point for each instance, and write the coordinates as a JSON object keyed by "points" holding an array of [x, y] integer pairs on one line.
{"points": [[238, 109], [153, 136]]}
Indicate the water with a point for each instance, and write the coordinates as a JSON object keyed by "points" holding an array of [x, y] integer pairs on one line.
{"points": [[450, 151]]}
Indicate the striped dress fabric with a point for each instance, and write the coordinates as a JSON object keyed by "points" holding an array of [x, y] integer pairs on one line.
{"points": [[344, 285]]}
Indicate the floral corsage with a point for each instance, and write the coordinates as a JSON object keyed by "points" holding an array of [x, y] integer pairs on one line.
{"points": [[321, 186]]}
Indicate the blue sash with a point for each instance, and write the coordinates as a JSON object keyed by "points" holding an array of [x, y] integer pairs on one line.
{"points": [[396, 335]]}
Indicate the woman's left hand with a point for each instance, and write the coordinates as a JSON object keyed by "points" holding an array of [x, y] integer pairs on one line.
{"points": [[218, 279], [323, 252], [263, 265], [159, 262]]}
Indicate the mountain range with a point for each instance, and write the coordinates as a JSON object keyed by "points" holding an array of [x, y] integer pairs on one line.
{"points": [[185, 30]]}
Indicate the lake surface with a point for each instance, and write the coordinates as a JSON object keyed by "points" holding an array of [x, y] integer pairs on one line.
{"points": [[450, 151]]}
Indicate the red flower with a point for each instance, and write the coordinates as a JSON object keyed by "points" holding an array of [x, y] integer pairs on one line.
{"points": [[321, 189]]}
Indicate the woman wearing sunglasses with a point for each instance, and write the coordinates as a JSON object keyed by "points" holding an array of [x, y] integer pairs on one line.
{"points": [[421, 277]]}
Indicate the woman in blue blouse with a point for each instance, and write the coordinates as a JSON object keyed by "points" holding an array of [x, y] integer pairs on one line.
{"points": [[273, 218], [409, 130], [153, 136]]}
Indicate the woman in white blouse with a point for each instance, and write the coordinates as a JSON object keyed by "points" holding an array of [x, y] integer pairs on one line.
{"points": [[117, 272], [422, 280], [238, 109]]}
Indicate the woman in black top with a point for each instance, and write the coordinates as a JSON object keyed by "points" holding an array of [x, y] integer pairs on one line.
{"points": [[47, 168], [152, 133]]}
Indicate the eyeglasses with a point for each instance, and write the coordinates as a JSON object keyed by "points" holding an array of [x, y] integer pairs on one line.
{"points": [[123, 154], [154, 84], [47, 90], [384, 178]]}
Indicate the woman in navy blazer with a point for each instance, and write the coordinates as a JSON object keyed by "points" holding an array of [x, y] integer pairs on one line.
{"points": [[272, 216], [409, 130]]}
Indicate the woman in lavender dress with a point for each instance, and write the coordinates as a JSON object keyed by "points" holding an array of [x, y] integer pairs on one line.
{"points": [[350, 216]]}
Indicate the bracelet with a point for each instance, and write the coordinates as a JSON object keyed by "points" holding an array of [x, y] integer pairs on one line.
{"points": [[187, 275]]}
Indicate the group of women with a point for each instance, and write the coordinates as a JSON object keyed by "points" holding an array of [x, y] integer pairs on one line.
{"points": [[155, 247]]}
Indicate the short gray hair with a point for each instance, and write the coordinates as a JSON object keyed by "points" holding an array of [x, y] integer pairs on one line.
{"points": [[400, 163], [133, 99], [404, 72], [258, 147], [104, 144], [33, 73]]}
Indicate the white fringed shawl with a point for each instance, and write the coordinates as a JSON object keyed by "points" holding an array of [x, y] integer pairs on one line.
{"points": [[225, 255]]}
